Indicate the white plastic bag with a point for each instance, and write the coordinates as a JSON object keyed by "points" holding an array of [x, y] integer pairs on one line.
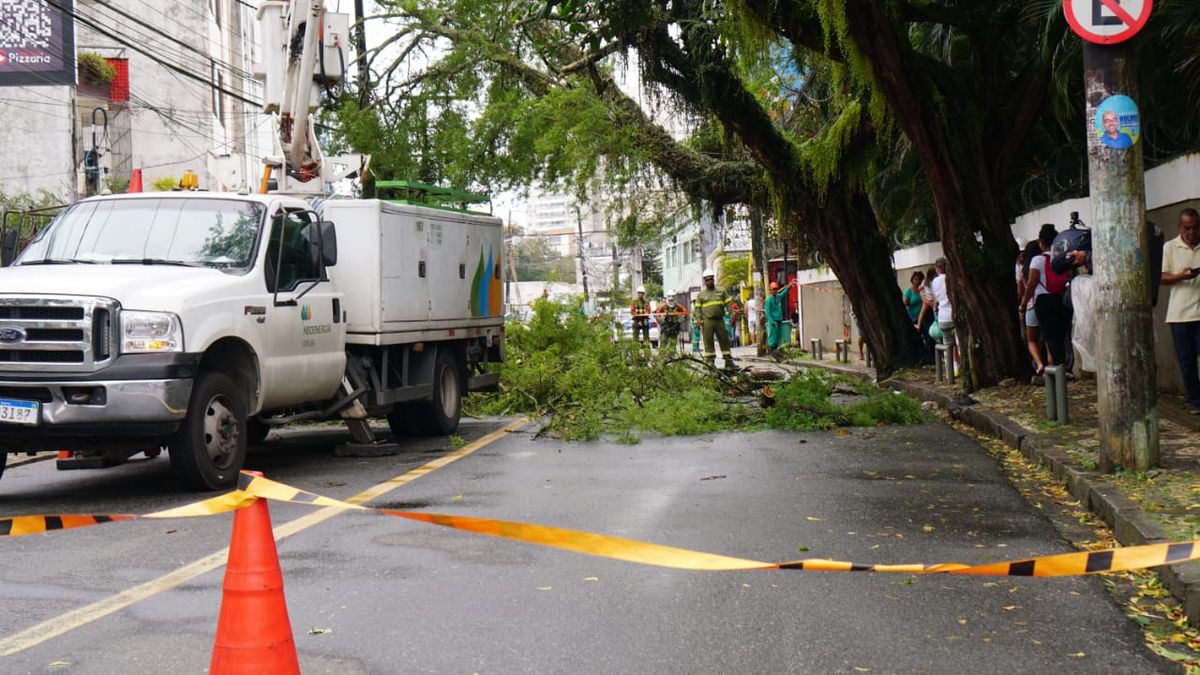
{"points": [[1083, 333]]}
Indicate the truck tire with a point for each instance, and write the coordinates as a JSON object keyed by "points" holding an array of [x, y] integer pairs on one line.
{"points": [[439, 417], [209, 448]]}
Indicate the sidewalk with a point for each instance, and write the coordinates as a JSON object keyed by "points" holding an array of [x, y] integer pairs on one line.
{"points": [[1160, 506]]}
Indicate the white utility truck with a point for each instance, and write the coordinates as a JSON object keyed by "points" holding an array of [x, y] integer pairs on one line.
{"points": [[195, 321]]}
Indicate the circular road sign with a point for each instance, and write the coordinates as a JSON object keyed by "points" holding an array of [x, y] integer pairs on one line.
{"points": [[1107, 22]]}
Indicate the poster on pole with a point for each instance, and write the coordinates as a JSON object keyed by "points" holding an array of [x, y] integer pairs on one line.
{"points": [[37, 42], [1117, 123], [1107, 22]]}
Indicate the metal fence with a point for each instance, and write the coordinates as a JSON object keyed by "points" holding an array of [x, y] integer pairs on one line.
{"points": [[18, 227]]}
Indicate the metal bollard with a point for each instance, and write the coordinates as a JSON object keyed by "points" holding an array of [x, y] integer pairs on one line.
{"points": [[870, 357], [1056, 394], [841, 351], [815, 346], [943, 364]]}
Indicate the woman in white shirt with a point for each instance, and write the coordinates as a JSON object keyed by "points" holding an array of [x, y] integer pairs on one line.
{"points": [[945, 311]]}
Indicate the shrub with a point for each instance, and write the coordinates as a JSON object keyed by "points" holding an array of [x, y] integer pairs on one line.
{"points": [[165, 184], [95, 68]]}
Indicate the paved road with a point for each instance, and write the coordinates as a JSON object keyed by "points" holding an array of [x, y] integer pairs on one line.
{"points": [[399, 597]]}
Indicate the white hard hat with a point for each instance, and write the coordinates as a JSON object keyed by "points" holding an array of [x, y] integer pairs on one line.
{"points": [[708, 273], [641, 289]]}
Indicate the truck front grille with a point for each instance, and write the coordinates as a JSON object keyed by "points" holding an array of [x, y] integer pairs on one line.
{"points": [[59, 333], [37, 313], [18, 356]]}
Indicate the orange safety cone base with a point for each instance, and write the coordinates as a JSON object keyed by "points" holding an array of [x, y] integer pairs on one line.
{"points": [[254, 634]]}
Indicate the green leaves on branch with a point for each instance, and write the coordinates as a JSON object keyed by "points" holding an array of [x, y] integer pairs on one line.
{"points": [[566, 368]]}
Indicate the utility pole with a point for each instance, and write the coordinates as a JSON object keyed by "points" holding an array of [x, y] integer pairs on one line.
{"points": [[579, 254], [360, 44], [1127, 395], [758, 276]]}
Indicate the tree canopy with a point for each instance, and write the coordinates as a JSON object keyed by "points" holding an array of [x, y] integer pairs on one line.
{"points": [[861, 125]]}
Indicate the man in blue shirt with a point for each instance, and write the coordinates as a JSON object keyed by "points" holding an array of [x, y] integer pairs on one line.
{"points": [[1113, 137]]}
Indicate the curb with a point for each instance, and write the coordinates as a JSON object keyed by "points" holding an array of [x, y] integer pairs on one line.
{"points": [[1129, 523], [14, 460]]}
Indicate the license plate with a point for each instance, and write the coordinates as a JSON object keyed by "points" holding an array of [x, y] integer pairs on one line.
{"points": [[18, 412]]}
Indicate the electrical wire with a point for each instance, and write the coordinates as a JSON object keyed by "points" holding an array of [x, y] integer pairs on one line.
{"points": [[146, 52]]}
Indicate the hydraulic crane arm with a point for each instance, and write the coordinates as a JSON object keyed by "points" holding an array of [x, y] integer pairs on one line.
{"points": [[303, 50]]}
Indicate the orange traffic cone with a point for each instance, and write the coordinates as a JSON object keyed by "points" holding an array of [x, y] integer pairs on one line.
{"points": [[135, 181], [254, 634]]}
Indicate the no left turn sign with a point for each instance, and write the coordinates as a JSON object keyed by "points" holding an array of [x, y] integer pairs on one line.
{"points": [[1107, 22]]}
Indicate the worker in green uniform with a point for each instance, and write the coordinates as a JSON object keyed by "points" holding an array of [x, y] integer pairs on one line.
{"points": [[640, 309], [779, 329], [710, 308]]}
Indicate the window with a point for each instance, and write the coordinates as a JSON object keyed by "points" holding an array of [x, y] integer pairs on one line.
{"points": [[294, 250], [204, 231]]}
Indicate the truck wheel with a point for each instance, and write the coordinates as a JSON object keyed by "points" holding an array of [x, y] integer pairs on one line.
{"points": [[439, 416], [210, 446]]}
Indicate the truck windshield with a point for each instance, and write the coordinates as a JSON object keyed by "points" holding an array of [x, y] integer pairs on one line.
{"points": [[200, 231]]}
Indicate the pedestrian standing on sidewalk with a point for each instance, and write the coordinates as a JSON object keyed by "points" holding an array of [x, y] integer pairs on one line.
{"points": [[945, 311], [912, 297], [1044, 291], [1030, 317], [928, 316], [752, 319], [1180, 269]]}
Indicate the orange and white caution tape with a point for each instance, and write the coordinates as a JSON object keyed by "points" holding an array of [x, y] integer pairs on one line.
{"points": [[252, 487]]}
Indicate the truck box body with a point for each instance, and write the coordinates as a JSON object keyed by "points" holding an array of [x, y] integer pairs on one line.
{"points": [[413, 273]]}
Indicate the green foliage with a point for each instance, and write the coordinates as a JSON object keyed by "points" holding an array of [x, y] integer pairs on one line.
{"points": [[116, 184], [535, 260], [165, 184], [687, 413], [565, 367], [95, 68], [734, 269], [803, 404]]}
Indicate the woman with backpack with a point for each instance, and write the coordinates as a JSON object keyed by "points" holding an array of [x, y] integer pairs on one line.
{"points": [[1044, 295]]}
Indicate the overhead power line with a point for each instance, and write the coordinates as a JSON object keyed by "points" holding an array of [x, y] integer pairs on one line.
{"points": [[146, 52]]}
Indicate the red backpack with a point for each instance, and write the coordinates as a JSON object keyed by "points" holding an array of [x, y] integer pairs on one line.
{"points": [[1054, 282]]}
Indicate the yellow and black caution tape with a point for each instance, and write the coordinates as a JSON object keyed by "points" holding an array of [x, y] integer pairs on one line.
{"points": [[252, 487]]}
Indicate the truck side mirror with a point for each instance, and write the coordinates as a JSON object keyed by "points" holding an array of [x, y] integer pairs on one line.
{"points": [[329, 251]]}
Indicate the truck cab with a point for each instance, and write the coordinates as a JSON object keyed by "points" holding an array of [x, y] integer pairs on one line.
{"points": [[134, 322]]}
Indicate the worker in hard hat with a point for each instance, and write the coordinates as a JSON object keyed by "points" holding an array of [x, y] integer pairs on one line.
{"points": [[710, 307], [670, 323], [640, 309], [779, 328]]}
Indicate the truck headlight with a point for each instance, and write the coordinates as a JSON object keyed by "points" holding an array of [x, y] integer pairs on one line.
{"points": [[150, 332]]}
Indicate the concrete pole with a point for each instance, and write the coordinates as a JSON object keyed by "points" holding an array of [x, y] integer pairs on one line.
{"points": [[759, 274], [1127, 400]]}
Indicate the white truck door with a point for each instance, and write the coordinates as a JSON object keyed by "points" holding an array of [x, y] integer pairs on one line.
{"points": [[305, 330]]}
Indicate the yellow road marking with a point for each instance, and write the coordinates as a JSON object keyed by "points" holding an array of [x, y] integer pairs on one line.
{"points": [[69, 621]]}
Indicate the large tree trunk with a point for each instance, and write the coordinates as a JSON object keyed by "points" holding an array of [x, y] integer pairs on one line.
{"points": [[975, 235], [839, 224], [844, 231]]}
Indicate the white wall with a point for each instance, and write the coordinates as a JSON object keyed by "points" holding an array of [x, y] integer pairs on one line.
{"points": [[35, 141]]}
